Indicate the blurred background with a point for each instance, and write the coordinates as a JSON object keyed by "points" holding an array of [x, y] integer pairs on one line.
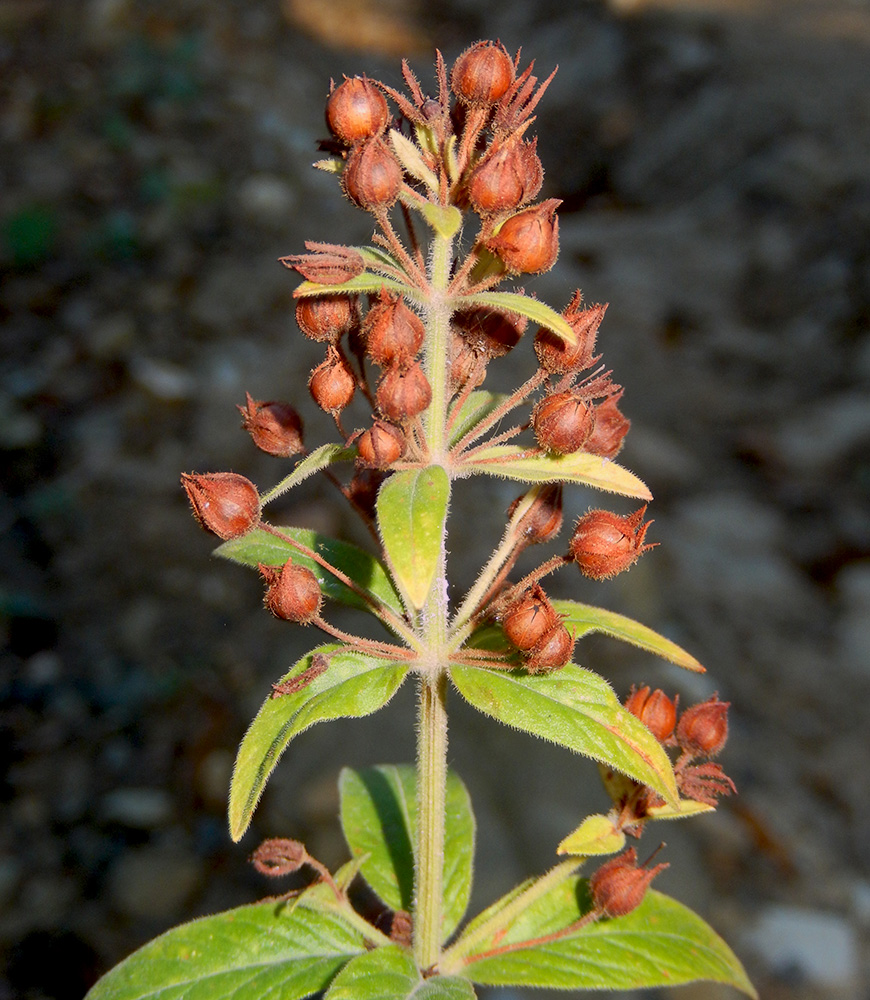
{"points": [[713, 157]]}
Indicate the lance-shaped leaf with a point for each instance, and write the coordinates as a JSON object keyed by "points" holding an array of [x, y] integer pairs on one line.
{"points": [[412, 509], [596, 835], [585, 619], [268, 949], [515, 302], [320, 458], [365, 282], [379, 819], [353, 685], [390, 973], [361, 567], [412, 160], [661, 943], [446, 220], [576, 709], [512, 461], [479, 405]]}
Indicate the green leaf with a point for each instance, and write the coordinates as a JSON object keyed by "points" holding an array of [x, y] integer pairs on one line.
{"points": [[268, 949], [390, 973], [379, 819], [576, 709], [320, 458], [353, 685], [362, 567], [685, 808], [412, 161], [585, 618], [476, 407], [365, 282], [595, 835], [515, 302], [508, 461], [412, 509], [378, 258], [446, 220], [661, 943]]}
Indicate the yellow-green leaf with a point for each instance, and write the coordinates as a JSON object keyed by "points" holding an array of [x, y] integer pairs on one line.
{"points": [[595, 835]]}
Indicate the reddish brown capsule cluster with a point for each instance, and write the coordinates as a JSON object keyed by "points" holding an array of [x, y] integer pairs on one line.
{"points": [[224, 503], [656, 711], [619, 885], [275, 428], [528, 242], [510, 175], [292, 593], [703, 729], [332, 383], [562, 422], [381, 445], [604, 544], [533, 626]]}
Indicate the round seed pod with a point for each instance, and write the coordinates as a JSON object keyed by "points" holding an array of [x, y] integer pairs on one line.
{"points": [[528, 620], [403, 393], [332, 383], [326, 317], [356, 110], [562, 422], [393, 334], [604, 544], [703, 728], [372, 176], [223, 502], [381, 445], [506, 178], [293, 593], [275, 427], [552, 652], [528, 242], [482, 74], [656, 711]]}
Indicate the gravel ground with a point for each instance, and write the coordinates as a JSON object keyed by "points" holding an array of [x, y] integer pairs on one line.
{"points": [[714, 161]]}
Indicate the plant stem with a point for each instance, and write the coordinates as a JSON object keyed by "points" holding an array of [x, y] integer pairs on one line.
{"points": [[437, 361]]}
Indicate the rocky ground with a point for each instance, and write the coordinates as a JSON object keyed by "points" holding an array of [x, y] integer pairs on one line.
{"points": [[714, 161]]}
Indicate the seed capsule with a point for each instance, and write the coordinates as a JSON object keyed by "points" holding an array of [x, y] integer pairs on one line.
{"points": [[506, 178], [381, 445], [393, 334], [552, 652], [293, 592], [528, 242], [656, 711], [543, 520], [557, 356], [356, 110], [703, 728], [372, 176], [609, 428], [482, 74], [489, 332], [562, 422], [326, 317], [604, 544], [224, 503], [275, 428], [332, 383], [528, 620], [619, 885], [403, 393]]}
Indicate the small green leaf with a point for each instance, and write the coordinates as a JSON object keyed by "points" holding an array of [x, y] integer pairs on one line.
{"points": [[445, 988], [329, 166], [390, 973], [512, 461], [379, 819], [446, 220], [515, 302], [661, 943], [353, 685], [378, 258], [268, 949], [476, 407], [320, 458], [362, 567], [412, 160], [576, 709], [585, 619], [595, 835], [686, 808], [412, 509], [365, 282]]}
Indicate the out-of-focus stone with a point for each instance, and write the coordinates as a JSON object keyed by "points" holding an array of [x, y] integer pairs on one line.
{"points": [[154, 882], [137, 808], [852, 629], [162, 379], [266, 200]]}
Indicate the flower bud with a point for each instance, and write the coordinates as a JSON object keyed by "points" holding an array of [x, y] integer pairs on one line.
{"points": [[507, 177], [703, 729], [330, 264], [381, 445], [543, 520], [276, 428], [403, 393], [552, 652], [489, 332], [528, 619], [609, 428], [224, 503], [326, 317], [332, 383], [562, 422], [393, 333], [293, 592], [604, 544], [356, 110], [558, 357], [482, 74], [656, 711], [528, 242], [279, 856], [619, 885], [372, 176]]}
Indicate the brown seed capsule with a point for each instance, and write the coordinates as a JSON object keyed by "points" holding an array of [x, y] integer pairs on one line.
{"points": [[604, 544], [703, 729], [279, 856], [362, 491], [224, 503], [464, 363], [329, 264], [528, 619], [482, 74], [356, 110], [543, 520], [381, 445], [528, 242], [326, 317], [332, 383], [403, 393], [393, 334], [656, 711], [489, 332], [552, 652], [557, 356], [507, 177], [619, 885], [293, 592], [562, 422], [609, 428], [372, 175], [275, 428]]}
